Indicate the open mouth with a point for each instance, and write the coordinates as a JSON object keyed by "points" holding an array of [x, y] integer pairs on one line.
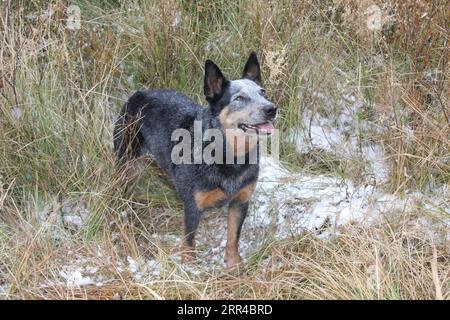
{"points": [[266, 128]]}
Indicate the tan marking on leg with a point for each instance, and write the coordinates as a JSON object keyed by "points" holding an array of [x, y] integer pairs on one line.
{"points": [[232, 257], [245, 193], [208, 199]]}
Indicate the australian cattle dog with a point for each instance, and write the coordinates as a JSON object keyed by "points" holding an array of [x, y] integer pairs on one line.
{"points": [[239, 109]]}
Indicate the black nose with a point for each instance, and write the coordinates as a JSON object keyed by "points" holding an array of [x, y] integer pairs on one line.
{"points": [[270, 111]]}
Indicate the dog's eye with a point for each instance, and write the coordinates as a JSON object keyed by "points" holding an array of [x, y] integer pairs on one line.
{"points": [[263, 92], [239, 98]]}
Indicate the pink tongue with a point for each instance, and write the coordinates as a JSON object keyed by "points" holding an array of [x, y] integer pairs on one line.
{"points": [[268, 127]]}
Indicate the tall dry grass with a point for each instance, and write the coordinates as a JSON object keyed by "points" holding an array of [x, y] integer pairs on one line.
{"points": [[60, 90]]}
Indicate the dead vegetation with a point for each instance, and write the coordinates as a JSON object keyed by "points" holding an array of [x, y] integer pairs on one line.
{"points": [[60, 90]]}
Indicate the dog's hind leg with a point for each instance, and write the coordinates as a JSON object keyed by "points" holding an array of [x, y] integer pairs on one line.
{"points": [[237, 212], [191, 219]]}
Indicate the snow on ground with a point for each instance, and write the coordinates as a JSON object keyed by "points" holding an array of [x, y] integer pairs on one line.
{"points": [[57, 217], [341, 135], [4, 291], [74, 215], [75, 276], [284, 205], [287, 204]]}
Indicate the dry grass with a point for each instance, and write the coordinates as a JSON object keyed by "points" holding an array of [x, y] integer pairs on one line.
{"points": [[60, 90], [387, 261]]}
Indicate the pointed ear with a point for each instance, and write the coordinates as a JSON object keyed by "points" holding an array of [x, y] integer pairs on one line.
{"points": [[252, 71], [214, 81]]}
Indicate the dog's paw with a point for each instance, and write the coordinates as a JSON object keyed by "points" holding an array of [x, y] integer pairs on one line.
{"points": [[233, 261], [187, 255]]}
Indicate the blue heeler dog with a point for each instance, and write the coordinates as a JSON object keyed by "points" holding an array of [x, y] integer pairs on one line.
{"points": [[239, 109]]}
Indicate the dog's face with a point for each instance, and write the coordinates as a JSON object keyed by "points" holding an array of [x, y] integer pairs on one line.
{"points": [[240, 104]]}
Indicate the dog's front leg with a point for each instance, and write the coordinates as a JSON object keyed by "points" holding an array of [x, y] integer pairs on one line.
{"points": [[191, 219], [237, 212]]}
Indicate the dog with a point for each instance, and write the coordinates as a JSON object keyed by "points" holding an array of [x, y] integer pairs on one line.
{"points": [[239, 109]]}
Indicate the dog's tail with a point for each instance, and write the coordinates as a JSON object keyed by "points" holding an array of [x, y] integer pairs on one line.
{"points": [[127, 136]]}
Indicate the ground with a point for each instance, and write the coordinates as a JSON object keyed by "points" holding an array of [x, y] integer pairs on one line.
{"points": [[357, 206]]}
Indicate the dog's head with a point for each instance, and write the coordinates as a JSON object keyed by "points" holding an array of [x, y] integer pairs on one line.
{"points": [[240, 104]]}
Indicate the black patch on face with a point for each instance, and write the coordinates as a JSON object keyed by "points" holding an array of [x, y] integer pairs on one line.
{"points": [[221, 102]]}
